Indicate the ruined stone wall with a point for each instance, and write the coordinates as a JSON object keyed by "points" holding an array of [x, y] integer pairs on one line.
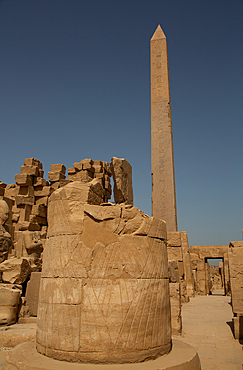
{"points": [[201, 269], [28, 196], [27, 200]]}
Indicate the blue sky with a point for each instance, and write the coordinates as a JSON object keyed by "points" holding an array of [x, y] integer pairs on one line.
{"points": [[75, 83]]}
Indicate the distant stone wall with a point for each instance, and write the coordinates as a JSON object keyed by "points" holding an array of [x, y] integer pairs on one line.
{"points": [[201, 269]]}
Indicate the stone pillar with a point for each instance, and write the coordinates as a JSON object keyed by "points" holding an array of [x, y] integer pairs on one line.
{"points": [[236, 283], [122, 176], [162, 156], [207, 278], [187, 264], [104, 291], [226, 274]]}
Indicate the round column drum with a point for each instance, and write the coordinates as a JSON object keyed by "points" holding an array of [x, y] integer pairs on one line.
{"points": [[104, 294]]}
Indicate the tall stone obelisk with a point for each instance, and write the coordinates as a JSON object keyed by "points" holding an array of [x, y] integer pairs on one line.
{"points": [[162, 155]]}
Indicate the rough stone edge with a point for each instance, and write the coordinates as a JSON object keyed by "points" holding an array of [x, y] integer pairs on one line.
{"points": [[25, 357], [99, 357]]}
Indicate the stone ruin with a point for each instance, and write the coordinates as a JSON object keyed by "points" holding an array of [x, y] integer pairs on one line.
{"points": [[203, 272], [28, 201], [23, 232], [114, 292], [111, 273], [236, 282], [107, 296]]}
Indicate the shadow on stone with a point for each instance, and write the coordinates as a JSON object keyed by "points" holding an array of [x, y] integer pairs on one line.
{"points": [[231, 325]]}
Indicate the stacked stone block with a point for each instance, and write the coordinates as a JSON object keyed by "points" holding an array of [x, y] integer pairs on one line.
{"points": [[199, 255], [2, 188], [27, 200], [86, 170], [31, 199], [175, 254], [57, 177]]}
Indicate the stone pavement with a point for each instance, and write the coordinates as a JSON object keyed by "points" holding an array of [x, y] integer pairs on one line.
{"points": [[206, 326], [207, 322]]}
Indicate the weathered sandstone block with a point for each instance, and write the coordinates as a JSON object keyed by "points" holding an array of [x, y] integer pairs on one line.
{"points": [[28, 244], [5, 237], [72, 170], [11, 191], [84, 176], [106, 297], [5, 243], [27, 225], [39, 181], [23, 179], [33, 162], [39, 210], [56, 176], [78, 166], [41, 201], [236, 275], [122, 176], [24, 212], [25, 200], [2, 188], [9, 301], [58, 168], [87, 164], [187, 264], [66, 206], [15, 270], [175, 302], [32, 293], [236, 282], [44, 191], [30, 170], [38, 220]]}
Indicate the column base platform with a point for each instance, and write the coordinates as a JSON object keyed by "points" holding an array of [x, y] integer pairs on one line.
{"points": [[25, 357]]}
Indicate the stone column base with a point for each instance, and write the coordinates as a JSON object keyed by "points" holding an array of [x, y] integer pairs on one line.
{"points": [[25, 356]]}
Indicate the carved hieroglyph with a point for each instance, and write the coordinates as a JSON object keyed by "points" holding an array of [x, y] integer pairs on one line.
{"points": [[162, 156], [104, 292]]}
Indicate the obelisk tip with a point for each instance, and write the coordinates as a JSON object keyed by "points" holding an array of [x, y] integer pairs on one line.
{"points": [[159, 34]]}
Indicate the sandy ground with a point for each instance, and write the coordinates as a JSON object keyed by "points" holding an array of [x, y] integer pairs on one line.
{"points": [[207, 326]]}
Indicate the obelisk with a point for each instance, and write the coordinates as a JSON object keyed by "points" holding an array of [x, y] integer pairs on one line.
{"points": [[162, 155]]}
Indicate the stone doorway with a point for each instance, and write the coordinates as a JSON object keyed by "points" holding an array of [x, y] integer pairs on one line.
{"points": [[216, 276]]}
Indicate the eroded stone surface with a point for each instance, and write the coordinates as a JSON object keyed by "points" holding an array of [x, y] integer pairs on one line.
{"points": [[162, 156], [5, 237], [106, 297], [9, 300], [15, 270], [122, 176], [236, 282]]}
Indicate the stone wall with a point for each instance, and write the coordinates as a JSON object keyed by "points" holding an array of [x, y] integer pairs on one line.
{"points": [[27, 201], [201, 268], [236, 281]]}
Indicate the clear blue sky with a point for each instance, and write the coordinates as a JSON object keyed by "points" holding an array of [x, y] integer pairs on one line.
{"points": [[75, 83]]}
